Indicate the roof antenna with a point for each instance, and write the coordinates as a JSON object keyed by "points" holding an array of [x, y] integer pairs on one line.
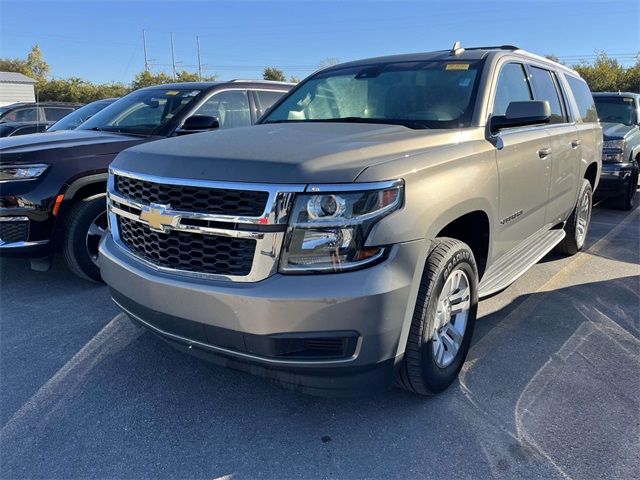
{"points": [[457, 49]]}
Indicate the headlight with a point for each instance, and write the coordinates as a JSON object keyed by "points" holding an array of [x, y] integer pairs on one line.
{"points": [[21, 172], [328, 230], [618, 144]]}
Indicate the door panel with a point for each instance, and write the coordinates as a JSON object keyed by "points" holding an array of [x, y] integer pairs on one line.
{"points": [[565, 169], [524, 185]]}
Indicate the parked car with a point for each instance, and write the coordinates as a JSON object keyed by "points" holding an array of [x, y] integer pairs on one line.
{"points": [[75, 119], [26, 118], [37, 112], [53, 184], [12, 129], [620, 117], [344, 241]]}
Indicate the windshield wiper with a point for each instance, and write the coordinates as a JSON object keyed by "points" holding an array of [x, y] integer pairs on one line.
{"points": [[407, 123]]}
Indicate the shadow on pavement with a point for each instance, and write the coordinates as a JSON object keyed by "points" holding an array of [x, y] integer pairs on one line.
{"points": [[546, 392]]}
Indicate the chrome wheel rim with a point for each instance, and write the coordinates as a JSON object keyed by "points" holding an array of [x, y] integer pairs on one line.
{"points": [[584, 214], [450, 323], [97, 230]]}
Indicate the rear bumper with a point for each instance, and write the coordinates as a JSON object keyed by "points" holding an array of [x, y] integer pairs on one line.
{"points": [[248, 326]]}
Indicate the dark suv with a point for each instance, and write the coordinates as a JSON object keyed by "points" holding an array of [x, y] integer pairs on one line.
{"points": [[52, 185], [620, 117], [25, 118]]}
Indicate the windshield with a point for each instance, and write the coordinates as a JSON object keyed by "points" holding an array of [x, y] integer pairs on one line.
{"points": [[75, 118], [433, 94], [142, 112], [616, 110]]}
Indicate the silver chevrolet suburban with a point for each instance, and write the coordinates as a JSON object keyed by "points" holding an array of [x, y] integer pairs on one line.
{"points": [[343, 243]]}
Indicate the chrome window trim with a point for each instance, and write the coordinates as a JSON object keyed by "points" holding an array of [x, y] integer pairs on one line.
{"points": [[14, 219]]}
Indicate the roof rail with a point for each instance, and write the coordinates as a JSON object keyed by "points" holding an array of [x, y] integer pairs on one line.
{"points": [[496, 47], [236, 80]]}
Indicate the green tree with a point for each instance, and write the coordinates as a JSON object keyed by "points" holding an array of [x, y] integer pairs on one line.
{"points": [[631, 79], [272, 73], [294, 79], [34, 66], [147, 79], [37, 65], [604, 74]]}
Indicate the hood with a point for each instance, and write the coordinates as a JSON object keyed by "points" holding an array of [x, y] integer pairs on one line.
{"points": [[614, 131], [282, 153], [69, 143]]}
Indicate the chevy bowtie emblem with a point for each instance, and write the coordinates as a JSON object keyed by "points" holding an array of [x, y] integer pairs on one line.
{"points": [[157, 218]]}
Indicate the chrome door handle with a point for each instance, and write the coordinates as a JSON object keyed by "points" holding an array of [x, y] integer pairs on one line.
{"points": [[544, 152], [575, 143]]}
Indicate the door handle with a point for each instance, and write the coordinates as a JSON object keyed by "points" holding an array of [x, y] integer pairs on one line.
{"points": [[576, 143], [544, 152]]}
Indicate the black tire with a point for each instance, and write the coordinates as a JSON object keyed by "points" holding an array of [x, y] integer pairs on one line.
{"points": [[77, 248], [628, 200], [419, 371], [573, 241]]}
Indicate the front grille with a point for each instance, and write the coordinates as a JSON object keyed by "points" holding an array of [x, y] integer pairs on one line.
{"points": [[194, 199], [188, 251], [14, 231]]}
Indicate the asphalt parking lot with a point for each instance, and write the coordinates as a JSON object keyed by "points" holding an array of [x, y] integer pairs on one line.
{"points": [[551, 389]]}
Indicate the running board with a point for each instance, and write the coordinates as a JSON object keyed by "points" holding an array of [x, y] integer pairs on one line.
{"points": [[512, 265]]}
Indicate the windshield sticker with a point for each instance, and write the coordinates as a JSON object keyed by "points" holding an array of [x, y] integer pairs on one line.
{"points": [[457, 66], [630, 100], [464, 82], [172, 92], [191, 94]]}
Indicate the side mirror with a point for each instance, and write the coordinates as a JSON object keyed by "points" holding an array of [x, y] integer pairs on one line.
{"points": [[199, 123], [521, 114]]}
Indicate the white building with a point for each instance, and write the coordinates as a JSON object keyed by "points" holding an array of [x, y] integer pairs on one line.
{"points": [[16, 87]]}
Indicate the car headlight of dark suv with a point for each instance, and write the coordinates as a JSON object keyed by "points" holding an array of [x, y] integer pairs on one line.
{"points": [[328, 229], [9, 173], [612, 150]]}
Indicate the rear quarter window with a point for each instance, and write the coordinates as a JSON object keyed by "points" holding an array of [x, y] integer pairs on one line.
{"points": [[584, 99]]}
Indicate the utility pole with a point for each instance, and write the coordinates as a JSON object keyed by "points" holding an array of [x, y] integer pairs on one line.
{"points": [[173, 57], [144, 46], [199, 62]]}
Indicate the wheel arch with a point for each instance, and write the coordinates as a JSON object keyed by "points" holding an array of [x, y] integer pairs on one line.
{"points": [[80, 188], [472, 228]]}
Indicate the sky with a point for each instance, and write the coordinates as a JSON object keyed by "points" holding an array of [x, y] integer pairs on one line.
{"points": [[101, 40]]}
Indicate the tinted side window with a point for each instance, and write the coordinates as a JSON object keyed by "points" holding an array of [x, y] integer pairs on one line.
{"points": [[231, 108], [513, 86], [266, 99], [54, 114], [22, 115], [584, 100], [545, 88]]}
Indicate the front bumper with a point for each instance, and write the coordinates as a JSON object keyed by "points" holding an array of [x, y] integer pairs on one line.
{"points": [[615, 179], [30, 205], [233, 323]]}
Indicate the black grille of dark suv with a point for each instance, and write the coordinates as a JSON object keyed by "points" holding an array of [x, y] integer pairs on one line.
{"points": [[192, 252], [14, 231], [194, 199]]}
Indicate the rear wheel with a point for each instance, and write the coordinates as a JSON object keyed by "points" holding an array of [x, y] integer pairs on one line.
{"points": [[86, 225], [578, 223], [443, 320]]}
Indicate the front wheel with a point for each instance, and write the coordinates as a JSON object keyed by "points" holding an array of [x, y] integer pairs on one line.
{"points": [[86, 225], [443, 320], [628, 200], [578, 223]]}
